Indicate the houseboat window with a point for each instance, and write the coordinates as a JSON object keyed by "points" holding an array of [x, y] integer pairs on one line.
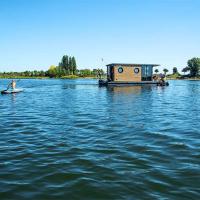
{"points": [[136, 70], [120, 69]]}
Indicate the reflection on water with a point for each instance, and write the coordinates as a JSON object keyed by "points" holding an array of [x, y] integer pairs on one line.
{"points": [[125, 90], [13, 97], [69, 86], [70, 138]]}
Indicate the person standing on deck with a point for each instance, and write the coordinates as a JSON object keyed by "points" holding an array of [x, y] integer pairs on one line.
{"points": [[12, 84]]}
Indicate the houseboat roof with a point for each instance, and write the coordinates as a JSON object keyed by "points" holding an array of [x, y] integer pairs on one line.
{"points": [[130, 64]]}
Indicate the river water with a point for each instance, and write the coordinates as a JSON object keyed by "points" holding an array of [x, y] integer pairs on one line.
{"points": [[70, 139]]}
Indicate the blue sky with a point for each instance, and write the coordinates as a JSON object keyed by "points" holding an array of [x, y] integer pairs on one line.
{"points": [[34, 34]]}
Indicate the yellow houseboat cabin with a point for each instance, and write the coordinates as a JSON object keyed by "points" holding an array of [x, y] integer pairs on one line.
{"points": [[123, 74]]}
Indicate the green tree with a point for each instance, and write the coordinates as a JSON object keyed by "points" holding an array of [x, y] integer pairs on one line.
{"points": [[67, 65], [70, 66], [59, 71], [27, 73], [185, 69], [175, 70], [64, 65], [61, 64], [74, 67], [42, 73], [156, 71], [97, 72], [165, 71], [52, 71], [85, 72], [194, 66]]}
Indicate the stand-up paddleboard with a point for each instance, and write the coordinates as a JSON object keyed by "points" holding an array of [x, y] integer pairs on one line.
{"points": [[11, 91]]}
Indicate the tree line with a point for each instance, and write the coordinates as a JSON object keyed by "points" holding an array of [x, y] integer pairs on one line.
{"points": [[29, 74], [59, 72], [193, 67], [66, 67]]}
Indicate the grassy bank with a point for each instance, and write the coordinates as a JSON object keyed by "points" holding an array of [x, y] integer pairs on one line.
{"points": [[46, 77], [173, 76], [70, 77], [181, 77], [85, 77], [24, 77]]}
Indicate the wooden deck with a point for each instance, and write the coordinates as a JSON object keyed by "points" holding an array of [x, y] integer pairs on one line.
{"points": [[126, 83], [132, 83]]}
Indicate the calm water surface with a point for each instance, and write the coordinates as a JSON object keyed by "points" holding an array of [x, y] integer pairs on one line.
{"points": [[70, 139]]}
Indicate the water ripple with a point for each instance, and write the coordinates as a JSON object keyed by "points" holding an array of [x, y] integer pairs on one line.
{"points": [[71, 139]]}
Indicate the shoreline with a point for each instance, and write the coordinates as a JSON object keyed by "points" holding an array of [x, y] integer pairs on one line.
{"points": [[78, 77], [186, 79], [86, 77]]}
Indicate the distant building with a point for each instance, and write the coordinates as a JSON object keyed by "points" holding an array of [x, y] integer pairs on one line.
{"points": [[120, 72], [138, 74]]}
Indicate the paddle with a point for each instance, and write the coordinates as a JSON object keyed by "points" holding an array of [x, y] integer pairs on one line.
{"points": [[6, 89], [9, 85]]}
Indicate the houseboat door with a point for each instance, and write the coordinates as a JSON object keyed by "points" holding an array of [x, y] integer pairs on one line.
{"points": [[110, 73], [147, 71]]}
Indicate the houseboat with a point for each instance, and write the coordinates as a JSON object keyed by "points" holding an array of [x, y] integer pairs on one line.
{"points": [[131, 74]]}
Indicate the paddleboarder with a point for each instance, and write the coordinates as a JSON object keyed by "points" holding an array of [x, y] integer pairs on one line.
{"points": [[12, 84], [12, 88]]}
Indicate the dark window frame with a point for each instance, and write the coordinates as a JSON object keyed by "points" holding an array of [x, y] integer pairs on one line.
{"points": [[138, 70], [120, 68]]}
